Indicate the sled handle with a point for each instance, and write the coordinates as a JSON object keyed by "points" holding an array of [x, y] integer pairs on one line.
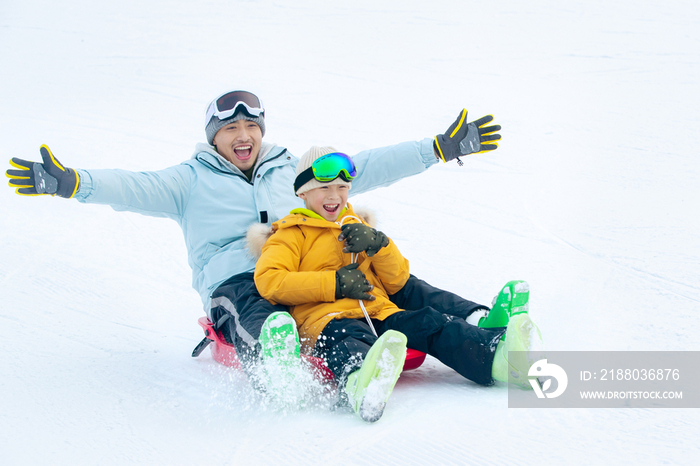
{"points": [[200, 347], [208, 339]]}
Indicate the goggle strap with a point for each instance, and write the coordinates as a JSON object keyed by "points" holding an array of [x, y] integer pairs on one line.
{"points": [[303, 178]]}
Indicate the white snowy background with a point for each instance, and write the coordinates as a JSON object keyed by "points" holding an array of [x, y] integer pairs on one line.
{"points": [[593, 197]]}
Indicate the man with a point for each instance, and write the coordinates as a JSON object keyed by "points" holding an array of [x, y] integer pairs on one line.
{"points": [[237, 180]]}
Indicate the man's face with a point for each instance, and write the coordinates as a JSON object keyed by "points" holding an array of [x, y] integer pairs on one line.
{"points": [[327, 201], [239, 142]]}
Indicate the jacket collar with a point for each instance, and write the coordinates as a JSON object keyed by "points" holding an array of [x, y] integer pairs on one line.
{"points": [[208, 155], [308, 217], [312, 214]]}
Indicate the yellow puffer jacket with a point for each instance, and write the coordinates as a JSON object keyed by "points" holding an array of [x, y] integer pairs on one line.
{"points": [[297, 268]]}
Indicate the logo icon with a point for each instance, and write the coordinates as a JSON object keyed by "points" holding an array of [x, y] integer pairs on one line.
{"points": [[544, 369]]}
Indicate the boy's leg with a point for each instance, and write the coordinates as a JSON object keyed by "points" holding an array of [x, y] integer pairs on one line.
{"points": [[418, 294], [343, 344], [368, 389], [465, 348], [239, 297], [365, 366]]}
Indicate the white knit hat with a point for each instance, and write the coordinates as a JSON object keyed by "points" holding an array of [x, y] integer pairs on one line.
{"points": [[305, 162]]}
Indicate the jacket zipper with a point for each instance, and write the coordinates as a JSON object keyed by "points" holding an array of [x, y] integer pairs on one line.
{"points": [[266, 161], [242, 175]]}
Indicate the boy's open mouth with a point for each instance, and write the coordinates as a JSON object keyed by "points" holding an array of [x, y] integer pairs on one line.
{"points": [[331, 208], [243, 152]]}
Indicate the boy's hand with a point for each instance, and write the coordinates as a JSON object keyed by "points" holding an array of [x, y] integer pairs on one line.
{"points": [[50, 177], [463, 138], [352, 283], [359, 237]]}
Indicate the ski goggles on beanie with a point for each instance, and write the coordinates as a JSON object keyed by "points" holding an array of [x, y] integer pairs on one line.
{"points": [[327, 168], [228, 104]]}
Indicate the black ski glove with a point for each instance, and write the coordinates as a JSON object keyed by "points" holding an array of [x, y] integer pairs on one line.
{"points": [[50, 177], [463, 138], [359, 237], [352, 283]]}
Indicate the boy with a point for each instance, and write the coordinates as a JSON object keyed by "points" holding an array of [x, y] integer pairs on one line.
{"points": [[330, 285]]}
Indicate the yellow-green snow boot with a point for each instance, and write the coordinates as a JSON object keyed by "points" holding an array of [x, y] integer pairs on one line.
{"points": [[368, 388]]}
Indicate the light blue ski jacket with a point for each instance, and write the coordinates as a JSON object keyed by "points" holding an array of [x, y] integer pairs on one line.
{"points": [[215, 204]]}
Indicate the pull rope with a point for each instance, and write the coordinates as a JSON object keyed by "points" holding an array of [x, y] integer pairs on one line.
{"points": [[347, 217], [353, 259]]}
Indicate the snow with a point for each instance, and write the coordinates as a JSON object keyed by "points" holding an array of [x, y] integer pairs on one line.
{"points": [[592, 197]]}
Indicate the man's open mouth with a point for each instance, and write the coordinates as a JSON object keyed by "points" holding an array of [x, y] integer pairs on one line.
{"points": [[243, 152]]}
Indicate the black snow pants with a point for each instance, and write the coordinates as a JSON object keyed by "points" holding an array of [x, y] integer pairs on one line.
{"points": [[467, 349], [239, 297]]}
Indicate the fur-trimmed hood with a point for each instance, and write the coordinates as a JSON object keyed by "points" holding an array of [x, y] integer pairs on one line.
{"points": [[258, 233]]}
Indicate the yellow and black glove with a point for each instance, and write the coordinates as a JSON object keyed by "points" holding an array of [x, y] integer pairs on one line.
{"points": [[463, 138], [50, 177], [360, 237]]}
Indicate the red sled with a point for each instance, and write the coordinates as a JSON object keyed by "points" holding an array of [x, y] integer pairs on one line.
{"points": [[224, 353]]}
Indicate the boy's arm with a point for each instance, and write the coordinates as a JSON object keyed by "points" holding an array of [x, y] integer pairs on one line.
{"points": [[391, 268], [387, 262], [277, 274]]}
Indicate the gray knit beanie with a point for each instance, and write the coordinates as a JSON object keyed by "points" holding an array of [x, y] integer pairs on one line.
{"points": [[305, 162], [215, 124]]}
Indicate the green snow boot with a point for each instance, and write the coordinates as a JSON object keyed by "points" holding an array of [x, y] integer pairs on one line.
{"points": [[511, 300], [279, 352], [368, 388], [522, 335]]}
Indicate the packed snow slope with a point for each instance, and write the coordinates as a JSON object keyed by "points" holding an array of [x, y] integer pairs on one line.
{"points": [[592, 197]]}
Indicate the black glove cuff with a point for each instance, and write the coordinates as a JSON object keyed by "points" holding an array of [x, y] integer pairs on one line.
{"points": [[338, 294], [69, 184]]}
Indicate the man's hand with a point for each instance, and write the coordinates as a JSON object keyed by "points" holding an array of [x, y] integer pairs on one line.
{"points": [[463, 138], [50, 177], [352, 283], [359, 237]]}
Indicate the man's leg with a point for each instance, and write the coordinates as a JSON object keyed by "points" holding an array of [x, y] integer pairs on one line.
{"points": [[465, 348], [239, 297], [417, 294]]}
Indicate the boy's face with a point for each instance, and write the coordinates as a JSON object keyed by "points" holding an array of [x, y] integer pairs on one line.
{"points": [[327, 201], [239, 142]]}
